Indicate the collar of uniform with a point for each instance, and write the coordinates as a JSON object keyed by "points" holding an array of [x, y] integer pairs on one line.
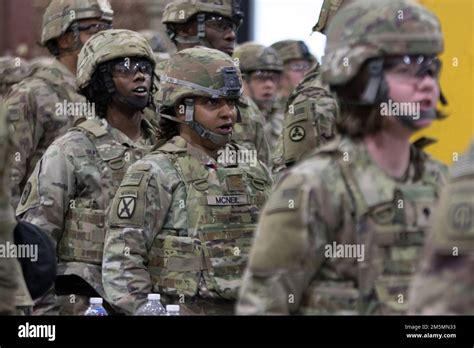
{"points": [[358, 149], [195, 152], [68, 76], [123, 139]]}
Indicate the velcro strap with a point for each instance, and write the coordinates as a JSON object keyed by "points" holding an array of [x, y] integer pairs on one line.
{"points": [[93, 218], [178, 264], [209, 236], [397, 237], [96, 235]]}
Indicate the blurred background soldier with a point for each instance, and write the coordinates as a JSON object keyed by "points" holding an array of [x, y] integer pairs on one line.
{"points": [[262, 68], [311, 110], [32, 105], [187, 212], [72, 185], [12, 71], [297, 60], [155, 40], [445, 281], [343, 231], [192, 23]]}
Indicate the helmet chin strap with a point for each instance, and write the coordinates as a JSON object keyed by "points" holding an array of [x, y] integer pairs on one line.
{"points": [[200, 38], [202, 131], [131, 102]]}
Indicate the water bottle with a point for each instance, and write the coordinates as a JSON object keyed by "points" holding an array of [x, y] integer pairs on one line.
{"points": [[96, 308], [152, 307], [172, 310]]}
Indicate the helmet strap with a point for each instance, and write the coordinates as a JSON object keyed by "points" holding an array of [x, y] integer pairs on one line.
{"points": [[376, 87]]}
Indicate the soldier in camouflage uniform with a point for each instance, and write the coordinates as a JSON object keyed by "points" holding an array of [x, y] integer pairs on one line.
{"points": [[32, 105], [311, 110], [72, 185], [207, 23], [182, 222], [297, 60], [445, 281], [262, 68], [342, 232], [13, 291], [12, 71]]}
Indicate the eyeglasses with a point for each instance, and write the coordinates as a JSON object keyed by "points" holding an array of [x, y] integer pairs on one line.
{"points": [[264, 75], [221, 24], [94, 28], [299, 67], [412, 67], [130, 66]]}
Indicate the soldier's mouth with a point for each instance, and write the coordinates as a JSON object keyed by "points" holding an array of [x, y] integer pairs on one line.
{"points": [[140, 91], [225, 129]]}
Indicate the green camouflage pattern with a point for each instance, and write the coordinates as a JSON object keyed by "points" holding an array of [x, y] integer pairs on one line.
{"points": [[32, 112], [14, 294], [252, 56], [444, 283], [377, 28], [180, 239], [71, 188], [108, 45], [274, 123], [339, 195], [289, 50], [12, 70], [309, 121], [328, 10], [203, 67], [60, 14], [181, 11], [250, 132]]}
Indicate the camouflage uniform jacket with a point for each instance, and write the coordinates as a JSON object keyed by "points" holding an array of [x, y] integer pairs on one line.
{"points": [[274, 123], [338, 236], [445, 280], [309, 121], [32, 110], [70, 190], [181, 224], [13, 290]]}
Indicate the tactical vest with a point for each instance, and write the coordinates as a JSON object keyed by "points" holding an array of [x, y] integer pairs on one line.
{"points": [[391, 222], [84, 232], [214, 241]]}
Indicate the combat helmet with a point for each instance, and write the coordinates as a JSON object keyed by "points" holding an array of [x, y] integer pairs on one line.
{"points": [[198, 72], [252, 57], [293, 49], [61, 14], [181, 11], [109, 45], [378, 28]]}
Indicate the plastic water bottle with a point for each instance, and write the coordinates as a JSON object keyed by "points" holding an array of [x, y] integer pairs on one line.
{"points": [[152, 307], [172, 310], [96, 308]]}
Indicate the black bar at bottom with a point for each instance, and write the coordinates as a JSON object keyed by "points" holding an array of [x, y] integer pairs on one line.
{"points": [[398, 330]]}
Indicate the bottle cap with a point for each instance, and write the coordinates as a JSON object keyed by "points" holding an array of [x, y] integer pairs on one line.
{"points": [[172, 308], [154, 297], [96, 300]]}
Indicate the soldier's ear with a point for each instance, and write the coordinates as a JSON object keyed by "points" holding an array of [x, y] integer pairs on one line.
{"points": [[66, 41], [187, 29]]}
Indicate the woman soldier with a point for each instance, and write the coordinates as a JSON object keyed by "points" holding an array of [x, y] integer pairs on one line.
{"points": [[182, 222], [71, 188], [342, 232]]}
